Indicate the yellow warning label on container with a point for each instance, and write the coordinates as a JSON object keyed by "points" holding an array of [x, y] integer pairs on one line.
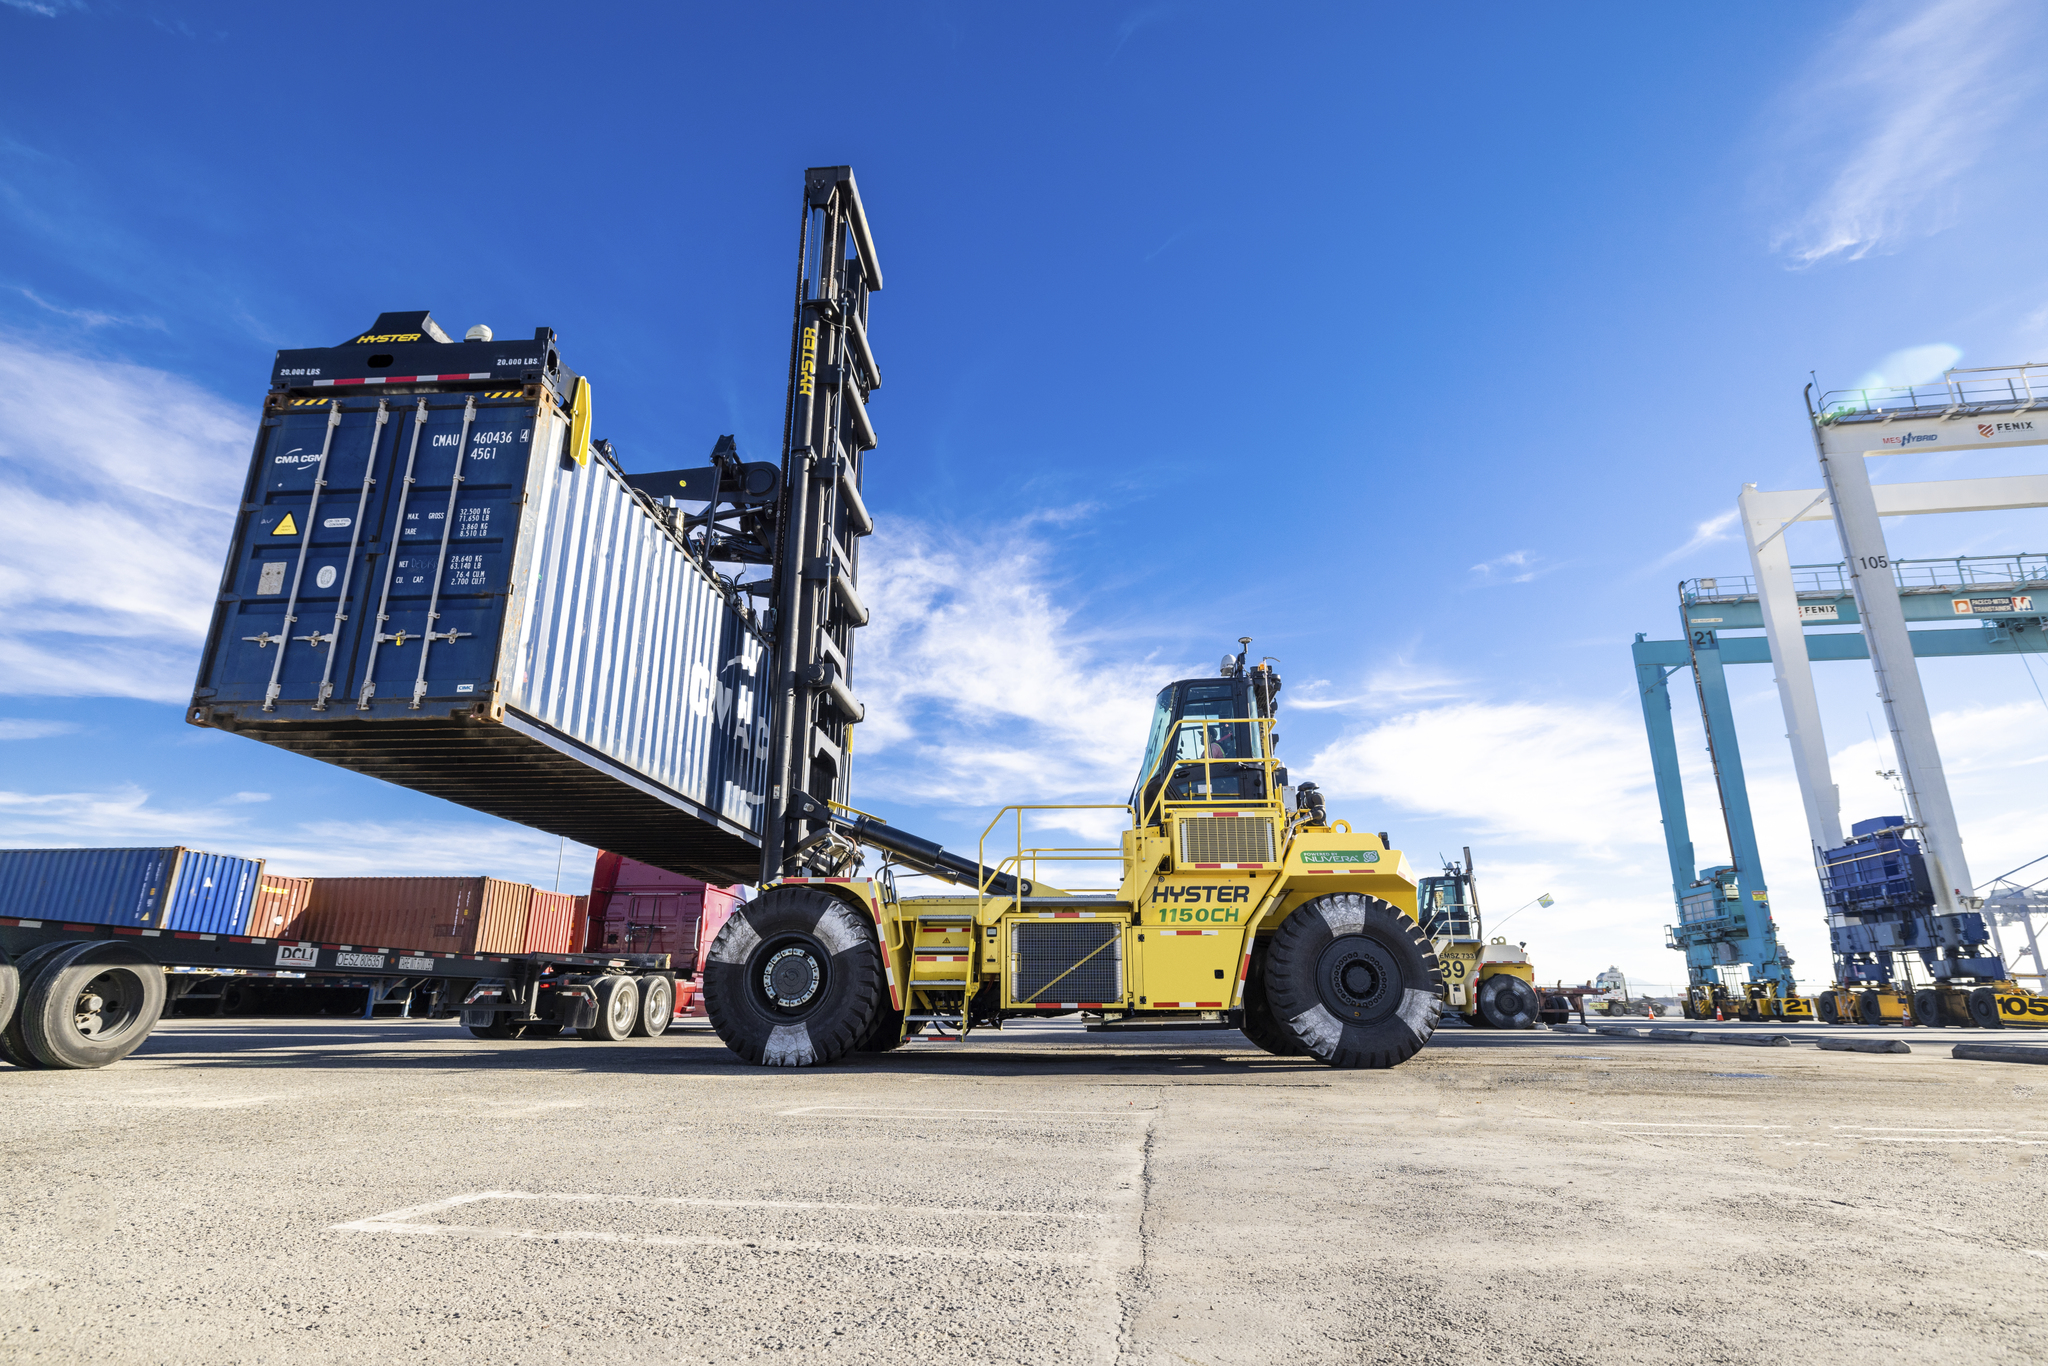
{"points": [[287, 527]]}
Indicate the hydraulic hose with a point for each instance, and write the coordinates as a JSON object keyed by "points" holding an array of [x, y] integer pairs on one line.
{"points": [[926, 856]]}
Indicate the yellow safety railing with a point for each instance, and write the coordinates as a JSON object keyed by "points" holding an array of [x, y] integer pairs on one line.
{"points": [[1154, 810], [1024, 864]]}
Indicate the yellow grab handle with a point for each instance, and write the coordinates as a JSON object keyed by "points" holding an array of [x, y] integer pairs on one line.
{"points": [[579, 422]]}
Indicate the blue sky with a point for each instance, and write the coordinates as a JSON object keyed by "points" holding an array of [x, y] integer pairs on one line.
{"points": [[1427, 345]]}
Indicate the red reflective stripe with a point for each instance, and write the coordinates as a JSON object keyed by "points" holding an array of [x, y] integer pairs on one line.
{"points": [[1205, 865], [122, 929], [1208, 1005]]}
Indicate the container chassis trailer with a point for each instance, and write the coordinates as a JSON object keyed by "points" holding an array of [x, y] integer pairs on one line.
{"points": [[76, 995]]}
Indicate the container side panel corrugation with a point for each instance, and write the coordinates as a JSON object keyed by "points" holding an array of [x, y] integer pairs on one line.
{"points": [[551, 922], [213, 893], [89, 886], [623, 646], [279, 905], [438, 914], [579, 931], [502, 925], [598, 685]]}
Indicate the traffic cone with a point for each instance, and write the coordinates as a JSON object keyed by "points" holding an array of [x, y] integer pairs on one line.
{"points": [[1719, 1018]]}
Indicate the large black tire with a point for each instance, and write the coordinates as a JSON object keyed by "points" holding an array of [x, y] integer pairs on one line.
{"points": [[10, 989], [1827, 1009], [1508, 1002], [13, 1044], [618, 1010], [1354, 980], [885, 1035], [1927, 1008], [91, 1004], [657, 1008], [1984, 1009], [1868, 1008], [794, 979], [1260, 1025]]}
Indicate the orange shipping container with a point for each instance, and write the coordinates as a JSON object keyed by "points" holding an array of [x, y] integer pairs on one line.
{"points": [[439, 914], [280, 904], [551, 922]]}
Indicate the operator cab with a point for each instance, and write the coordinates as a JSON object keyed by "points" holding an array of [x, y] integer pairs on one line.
{"points": [[1183, 759]]}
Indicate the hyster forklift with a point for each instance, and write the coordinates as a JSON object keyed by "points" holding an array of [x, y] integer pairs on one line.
{"points": [[1239, 904], [1489, 986]]}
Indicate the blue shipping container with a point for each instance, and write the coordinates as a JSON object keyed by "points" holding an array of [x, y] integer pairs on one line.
{"points": [[431, 586], [175, 888]]}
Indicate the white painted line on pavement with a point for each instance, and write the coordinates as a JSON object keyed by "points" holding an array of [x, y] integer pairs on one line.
{"points": [[402, 1221], [920, 1111]]}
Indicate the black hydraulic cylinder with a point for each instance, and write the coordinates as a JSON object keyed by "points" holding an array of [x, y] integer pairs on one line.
{"points": [[927, 857]]}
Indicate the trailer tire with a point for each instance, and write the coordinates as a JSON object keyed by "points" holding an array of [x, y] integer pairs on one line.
{"points": [[10, 989], [794, 978], [1927, 1008], [91, 1005], [1826, 1008], [13, 1045], [1354, 980], [1869, 1010], [502, 1027], [1984, 1009], [1508, 1002], [618, 1010], [657, 1008], [1259, 1024]]}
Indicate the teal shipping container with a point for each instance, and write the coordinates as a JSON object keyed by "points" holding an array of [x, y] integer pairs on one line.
{"points": [[168, 889]]}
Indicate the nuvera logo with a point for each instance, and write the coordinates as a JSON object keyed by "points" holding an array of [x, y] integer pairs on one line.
{"points": [[1910, 438]]}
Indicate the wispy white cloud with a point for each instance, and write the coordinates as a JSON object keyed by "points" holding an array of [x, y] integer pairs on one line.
{"points": [[1400, 683], [1129, 28], [1888, 118], [980, 684], [1713, 530], [1517, 566], [88, 317], [49, 9], [117, 492], [21, 728]]}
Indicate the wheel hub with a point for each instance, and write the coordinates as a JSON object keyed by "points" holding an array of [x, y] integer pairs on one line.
{"points": [[1358, 980], [792, 976]]}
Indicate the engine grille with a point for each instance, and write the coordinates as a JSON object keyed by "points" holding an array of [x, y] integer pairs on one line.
{"points": [[1067, 961], [1226, 839]]}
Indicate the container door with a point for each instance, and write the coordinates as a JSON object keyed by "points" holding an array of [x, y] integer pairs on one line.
{"points": [[296, 584], [448, 532]]}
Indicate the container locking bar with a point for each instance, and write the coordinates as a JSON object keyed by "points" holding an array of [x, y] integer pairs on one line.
{"points": [[419, 682], [291, 606], [348, 566], [377, 639]]}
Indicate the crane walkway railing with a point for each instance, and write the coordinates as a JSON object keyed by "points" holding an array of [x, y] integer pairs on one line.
{"points": [[1947, 574]]}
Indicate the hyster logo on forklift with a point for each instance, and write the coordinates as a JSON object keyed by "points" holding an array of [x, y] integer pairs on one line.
{"points": [[1199, 891]]}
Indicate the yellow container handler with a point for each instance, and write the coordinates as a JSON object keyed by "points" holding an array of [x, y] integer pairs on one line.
{"points": [[1237, 903]]}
